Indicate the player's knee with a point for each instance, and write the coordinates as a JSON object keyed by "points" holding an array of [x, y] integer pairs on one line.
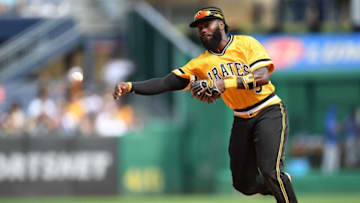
{"points": [[269, 174], [246, 190]]}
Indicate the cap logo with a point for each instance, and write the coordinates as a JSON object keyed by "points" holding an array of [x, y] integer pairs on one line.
{"points": [[205, 13], [202, 14]]}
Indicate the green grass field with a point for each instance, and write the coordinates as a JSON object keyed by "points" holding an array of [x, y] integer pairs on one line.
{"points": [[308, 198]]}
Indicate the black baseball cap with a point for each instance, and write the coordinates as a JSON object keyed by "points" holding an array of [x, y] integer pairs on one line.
{"points": [[207, 14]]}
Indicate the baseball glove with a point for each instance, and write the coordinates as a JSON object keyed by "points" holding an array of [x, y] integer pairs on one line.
{"points": [[205, 90]]}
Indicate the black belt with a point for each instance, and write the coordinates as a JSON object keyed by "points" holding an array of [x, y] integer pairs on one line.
{"points": [[255, 105]]}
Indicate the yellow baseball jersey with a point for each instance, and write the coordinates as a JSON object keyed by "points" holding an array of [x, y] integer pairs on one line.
{"points": [[241, 55]]}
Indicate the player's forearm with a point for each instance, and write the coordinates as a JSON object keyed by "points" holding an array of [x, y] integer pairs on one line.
{"points": [[250, 81], [261, 76], [154, 86]]}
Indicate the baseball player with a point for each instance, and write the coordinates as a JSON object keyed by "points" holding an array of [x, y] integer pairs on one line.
{"points": [[237, 68]]}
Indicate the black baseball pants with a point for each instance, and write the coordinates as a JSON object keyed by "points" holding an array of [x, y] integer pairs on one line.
{"points": [[256, 153]]}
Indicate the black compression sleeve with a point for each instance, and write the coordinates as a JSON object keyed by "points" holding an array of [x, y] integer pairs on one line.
{"points": [[160, 85]]}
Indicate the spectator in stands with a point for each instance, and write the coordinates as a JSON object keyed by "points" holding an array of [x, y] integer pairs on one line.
{"points": [[42, 114], [315, 15], [92, 104], [13, 122], [73, 113], [296, 7], [114, 120]]}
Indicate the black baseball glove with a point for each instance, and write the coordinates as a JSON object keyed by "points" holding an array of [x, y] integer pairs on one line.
{"points": [[205, 90]]}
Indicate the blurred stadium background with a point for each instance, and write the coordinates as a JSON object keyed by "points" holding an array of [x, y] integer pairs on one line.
{"points": [[63, 138]]}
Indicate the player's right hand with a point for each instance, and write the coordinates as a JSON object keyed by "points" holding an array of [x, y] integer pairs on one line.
{"points": [[121, 89]]}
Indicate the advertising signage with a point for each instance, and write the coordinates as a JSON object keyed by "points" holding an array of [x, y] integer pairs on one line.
{"points": [[58, 166], [313, 52]]}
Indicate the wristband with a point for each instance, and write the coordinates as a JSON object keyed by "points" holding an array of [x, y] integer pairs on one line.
{"points": [[230, 83], [249, 81], [130, 86]]}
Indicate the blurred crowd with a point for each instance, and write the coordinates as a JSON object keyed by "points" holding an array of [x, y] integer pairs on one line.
{"points": [[66, 108], [81, 114], [317, 15], [264, 16]]}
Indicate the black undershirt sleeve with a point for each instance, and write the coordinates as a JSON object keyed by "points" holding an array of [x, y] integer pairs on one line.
{"points": [[153, 86]]}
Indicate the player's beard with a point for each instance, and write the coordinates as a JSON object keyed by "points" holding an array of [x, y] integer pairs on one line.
{"points": [[214, 42]]}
